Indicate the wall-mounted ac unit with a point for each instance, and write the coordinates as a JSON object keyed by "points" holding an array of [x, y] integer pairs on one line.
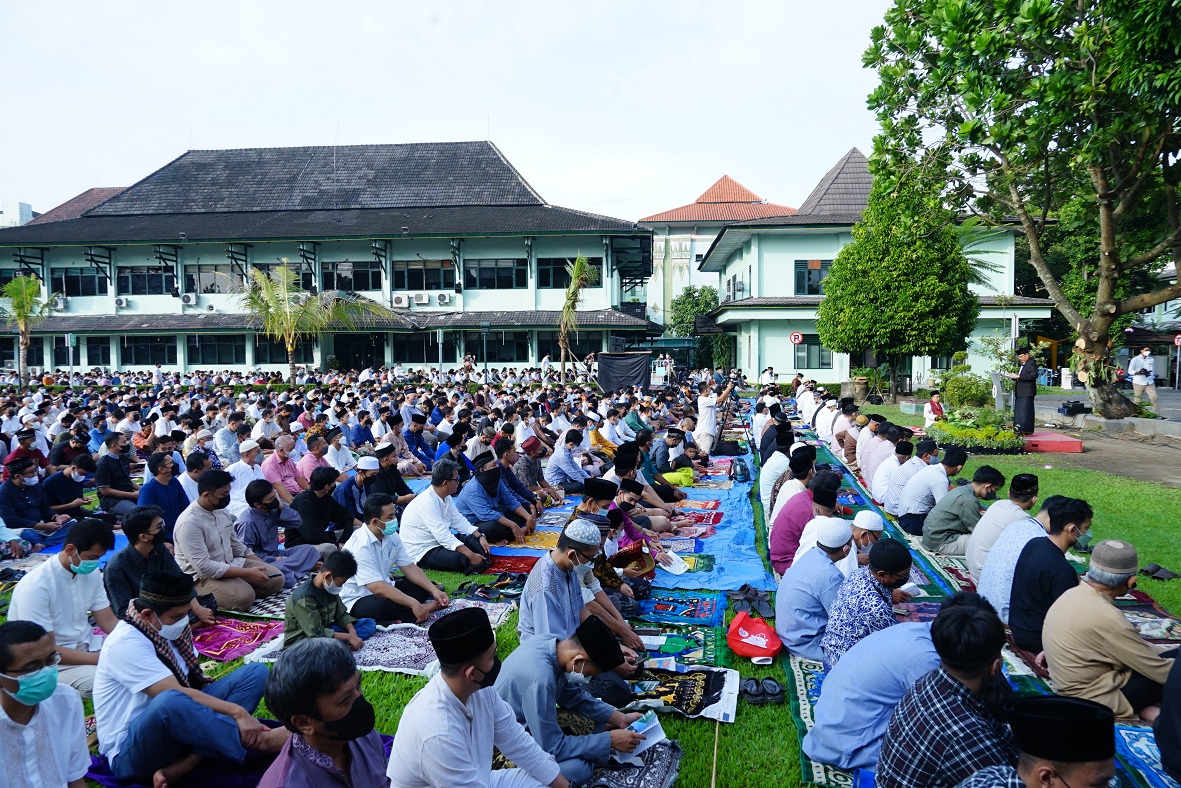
{"points": [[401, 301], [189, 299], [122, 303], [444, 298], [60, 303], [422, 298]]}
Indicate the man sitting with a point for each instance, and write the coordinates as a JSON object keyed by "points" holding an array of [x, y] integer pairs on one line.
{"points": [[280, 470], [117, 494], [867, 528], [507, 455], [448, 729], [324, 522], [314, 608], [24, 508], [208, 549], [564, 470], [865, 601], [258, 528], [926, 451], [378, 548], [1023, 490], [38, 715], [808, 588], [157, 714], [164, 490], [145, 553], [246, 469], [528, 470], [65, 492], [547, 674], [62, 593], [488, 504], [388, 479], [820, 499], [314, 689], [776, 465], [996, 578], [801, 467], [949, 725], [552, 603], [1094, 652], [950, 523], [435, 534], [927, 488], [351, 493], [881, 479], [416, 443]]}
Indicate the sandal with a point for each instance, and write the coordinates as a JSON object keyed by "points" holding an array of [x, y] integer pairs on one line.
{"points": [[763, 608], [1158, 572], [484, 593], [752, 692], [772, 691], [744, 592], [741, 605]]}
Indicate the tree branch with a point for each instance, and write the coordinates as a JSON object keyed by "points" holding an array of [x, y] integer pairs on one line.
{"points": [[1132, 196], [1171, 241], [1146, 300]]}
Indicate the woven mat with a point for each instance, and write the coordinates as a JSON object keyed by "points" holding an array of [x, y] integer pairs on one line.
{"points": [[804, 679], [272, 607], [695, 608], [705, 506], [228, 638], [398, 648], [662, 764]]}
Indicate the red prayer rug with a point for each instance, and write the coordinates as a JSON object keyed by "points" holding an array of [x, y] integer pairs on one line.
{"points": [[511, 563], [702, 505], [704, 518]]}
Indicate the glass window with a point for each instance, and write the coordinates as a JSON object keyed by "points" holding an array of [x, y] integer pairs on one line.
{"points": [[8, 348], [352, 277], [77, 281], [268, 351], [62, 354], [809, 275], [551, 272], [941, 362], [581, 343], [211, 278], [496, 274], [98, 351], [210, 349], [304, 279], [7, 275], [422, 349], [145, 280], [148, 351], [422, 275], [810, 354], [503, 346]]}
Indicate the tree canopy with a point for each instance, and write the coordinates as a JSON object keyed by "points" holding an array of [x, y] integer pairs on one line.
{"points": [[693, 302]]}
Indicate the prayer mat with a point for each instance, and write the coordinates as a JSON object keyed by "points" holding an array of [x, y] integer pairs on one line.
{"points": [[271, 607], [681, 545], [703, 518], [713, 485], [916, 612], [398, 648], [498, 612], [227, 639], [700, 505], [847, 496], [1152, 621], [511, 563], [695, 608], [661, 764], [804, 679], [686, 645], [28, 562], [553, 519], [1027, 658], [538, 540], [695, 531], [1137, 749], [702, 562], [700, 692]]}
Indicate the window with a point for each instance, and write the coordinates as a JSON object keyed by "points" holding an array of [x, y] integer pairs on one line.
{"points": [[7, 275], [268, 351], [422, 349], [422, 275], [77, 281], [145, 280], [211, 278], [148, 351], [304, 279], [581, 343], [98, 351], [8, 350], [941, 362], [809, 275], [551, 272], [503, 346], [495, 274], [811, 355], [62, 357], [365, 275], [210, 349]]}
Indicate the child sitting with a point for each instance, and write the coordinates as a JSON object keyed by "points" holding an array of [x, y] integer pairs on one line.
{"points": [[314, 608]]}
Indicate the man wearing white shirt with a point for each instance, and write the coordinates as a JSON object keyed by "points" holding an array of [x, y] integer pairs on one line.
{"points": [[926, 488], [613, 428], [707, 415], [826, 420], [166, 423], [868, 434], [926, 452], [867, 529], [776, 465], [881, 477], [435, 534], [802, 466], [245, 470]]}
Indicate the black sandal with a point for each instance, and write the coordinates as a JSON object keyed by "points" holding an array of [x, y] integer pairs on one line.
{"points": [[772, 691], [752, 692], [1158, 572]]}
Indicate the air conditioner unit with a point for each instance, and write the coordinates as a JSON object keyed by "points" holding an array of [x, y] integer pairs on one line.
{"points": [[422, 298], [444, 298], [401, 301], [122, 303], [59, 303], [189, 299]]}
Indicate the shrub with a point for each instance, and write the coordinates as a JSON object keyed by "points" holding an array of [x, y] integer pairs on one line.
{"points": [[988, 438], [965, 389]]}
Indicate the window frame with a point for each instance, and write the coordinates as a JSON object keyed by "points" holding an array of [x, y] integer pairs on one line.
{"points": [[165, 343], [804, 353], [266, 348], [62, 354], [493, 273], [216, 350], [369, 268], [305, 280], [98, 342], [825, 267], [405, 348], [60, 277], [222, 272], [498, 342], [551, 269], [166, 274]]}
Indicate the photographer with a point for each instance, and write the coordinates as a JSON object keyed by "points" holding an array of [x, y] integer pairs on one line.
{"points": [[707, 409]]}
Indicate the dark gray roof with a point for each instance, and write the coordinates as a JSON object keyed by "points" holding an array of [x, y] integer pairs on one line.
{"points": [[317, 225], [326, 178], [399, 320], [843, 190]]}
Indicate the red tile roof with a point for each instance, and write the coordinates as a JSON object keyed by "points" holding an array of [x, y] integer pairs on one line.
{"points": [[725, 201], [76, 206]]}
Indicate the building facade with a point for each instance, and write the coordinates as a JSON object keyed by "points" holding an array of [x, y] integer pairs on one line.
{"points": [[772, 272], [449, 237]]}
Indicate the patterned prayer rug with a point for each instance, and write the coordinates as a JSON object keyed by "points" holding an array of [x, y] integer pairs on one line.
{"points": [[1152, 621], [916, 612], [700, 692], [228, 638], [511, 563], [695, 608], [849, 497], [703, 518], [687, 645], [1137, 749], [271, 607], [539, 540], [804, 679], [398, 648], [681, 545], [713, 485], [695, 531], [700, 505], [553, 519], [498, 612], [662, 763]]}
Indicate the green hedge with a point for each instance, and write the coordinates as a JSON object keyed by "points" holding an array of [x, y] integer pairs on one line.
{"points": [[238, 388], [990, 437]]}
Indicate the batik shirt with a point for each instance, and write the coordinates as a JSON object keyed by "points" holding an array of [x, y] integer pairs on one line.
{"points": [[941, 734], [863, 605]]}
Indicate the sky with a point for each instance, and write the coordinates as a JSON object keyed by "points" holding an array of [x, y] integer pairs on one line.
{"points": [[620, 108]]}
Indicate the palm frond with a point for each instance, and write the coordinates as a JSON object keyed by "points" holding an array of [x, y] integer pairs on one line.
{"points": [[972, 234]]}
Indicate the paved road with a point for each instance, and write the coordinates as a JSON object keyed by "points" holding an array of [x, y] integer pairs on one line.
{"points": [[1170, 400]]}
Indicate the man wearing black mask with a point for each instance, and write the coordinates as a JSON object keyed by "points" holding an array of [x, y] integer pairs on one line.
{"points": [[489, 505], [117, 494], [258, 528]]}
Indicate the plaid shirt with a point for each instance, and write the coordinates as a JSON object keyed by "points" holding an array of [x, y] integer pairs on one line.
{"points": [[941, 734], [862, 606], [994, 777]]}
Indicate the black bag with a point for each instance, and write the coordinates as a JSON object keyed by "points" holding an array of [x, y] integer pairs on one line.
{"points": [[875, 399], [739, 472], [727, 449]]}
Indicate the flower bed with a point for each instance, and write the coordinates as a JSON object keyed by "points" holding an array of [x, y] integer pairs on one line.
{"points": [[988, 439]]}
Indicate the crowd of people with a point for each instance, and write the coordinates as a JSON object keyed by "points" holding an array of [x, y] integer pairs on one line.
{"points": [[203, 481]]}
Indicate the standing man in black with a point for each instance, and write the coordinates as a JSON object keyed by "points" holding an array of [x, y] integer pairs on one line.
{"points": [[1024, 392]]}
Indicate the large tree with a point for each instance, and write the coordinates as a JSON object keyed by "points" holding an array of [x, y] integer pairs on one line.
{"points": [[1031, 103], [901, 287], [683, 311]]}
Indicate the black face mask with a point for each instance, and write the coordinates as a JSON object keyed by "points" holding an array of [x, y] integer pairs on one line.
{"points": [[627, 506], [158, 539], [490, 481], [352, 726], [490, 677], [221, 503], [272, 506]]}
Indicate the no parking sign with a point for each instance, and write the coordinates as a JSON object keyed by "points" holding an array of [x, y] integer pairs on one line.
{"points": [[796, 338]]}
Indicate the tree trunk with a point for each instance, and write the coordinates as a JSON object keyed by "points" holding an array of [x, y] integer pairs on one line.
{"points": [[291, 362], [1094, 369], [564, 344], [23, 357], [893, 381]]}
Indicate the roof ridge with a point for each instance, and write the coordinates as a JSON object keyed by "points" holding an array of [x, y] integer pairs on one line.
{"points": [[516, 172], [818, 200], [730, 188]]}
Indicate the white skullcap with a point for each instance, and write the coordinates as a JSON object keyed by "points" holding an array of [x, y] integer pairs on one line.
{"points": [[296, 426], [869, 521], [367, 463], [247, 446], [833, 532], [28, 417], [796, 445], [204, 434], [584, 532]]}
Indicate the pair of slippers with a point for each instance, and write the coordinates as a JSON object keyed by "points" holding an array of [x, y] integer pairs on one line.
{"points": [[480, 591], [747, 599], [758, 692], [510, 584], [1158, 572]]}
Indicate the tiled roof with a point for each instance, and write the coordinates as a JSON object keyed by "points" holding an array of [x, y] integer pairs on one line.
{"points": [[327, 178], [814, 301], [843, 190], [400, 320], [316, 225], [76, 206], [725, 201], [1014, 301]]}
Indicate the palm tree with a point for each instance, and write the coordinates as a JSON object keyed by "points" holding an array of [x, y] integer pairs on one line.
{"points": [[287, 314], [25, 310], [582, 274], [973, 235]]}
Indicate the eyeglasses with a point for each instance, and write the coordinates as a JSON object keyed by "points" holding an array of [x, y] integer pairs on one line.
{"points": [[52, 661]]}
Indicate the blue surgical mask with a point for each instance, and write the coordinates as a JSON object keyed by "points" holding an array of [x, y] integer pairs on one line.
{"points": [[390, 528], [34, 687], [933, 460], [84, 568]]}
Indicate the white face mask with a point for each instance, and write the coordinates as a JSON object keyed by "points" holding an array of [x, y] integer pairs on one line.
{"points": [[333, 589], [173, 631], [78, 477], [576, 679]]}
